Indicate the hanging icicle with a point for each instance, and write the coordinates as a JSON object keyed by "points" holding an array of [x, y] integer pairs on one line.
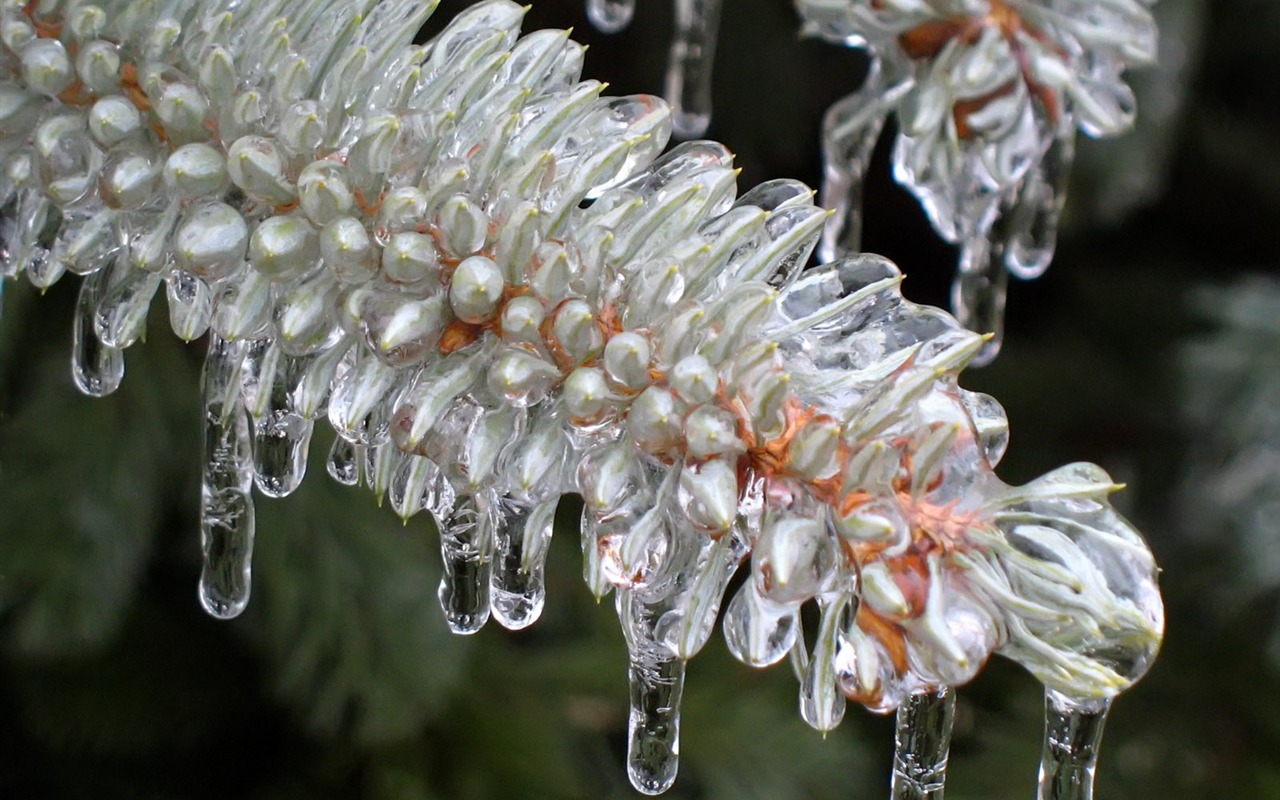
{"points": [[988, 97], [691, 60], [394, 238]]}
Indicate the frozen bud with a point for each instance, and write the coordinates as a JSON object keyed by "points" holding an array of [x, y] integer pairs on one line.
{"points": [[766, 401], [128, 180], [195, 170], [68, 160], [182, 108], [522, 319], [463, 226], [553, 271], [793, 558], [347, 249], [656, 419], [521, 378], [217, 73], [86, 23], [708, 493], [882, 594], [370, 156], [403, 209], [878, 521], [403, 332], [626, 361], [517, 237], [538, 465], [607, 478], [694, 379], [652, 291], [113, 119], [410, 258], [304, 315], [586, 395], [160, 38], [292, 78], [324, 191], [257, 166], [211, 240], [284, 247], [814, 450], [16, 32], [712, 431], [679, 337], [46, 67], [576, 331], [476, 289], [243, 114]]}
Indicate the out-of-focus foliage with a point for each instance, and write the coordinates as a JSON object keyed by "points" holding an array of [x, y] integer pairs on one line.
{"points": [[341, 681]]}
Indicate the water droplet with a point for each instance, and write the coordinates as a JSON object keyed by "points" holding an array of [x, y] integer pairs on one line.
{"points": [[689, 69], [96, 368], [922, 745], [465, 545], [611, 16], [344, 462], [1072, 737]]}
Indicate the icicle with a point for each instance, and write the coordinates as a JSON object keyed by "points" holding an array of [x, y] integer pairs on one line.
{"points": [[96, 368], [592, 566], [657, 682], [281, 436], [978, 292], [921, 746], [690, 66], [465, 546], [522, 535], [344, 462], [226, 514], [611, 16], [1072, 736], [850, 130], [121, 316], [1037, 210], [822, 704]]}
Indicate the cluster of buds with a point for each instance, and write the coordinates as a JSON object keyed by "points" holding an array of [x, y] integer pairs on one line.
{"points": [[988, 95], [486, 277]]}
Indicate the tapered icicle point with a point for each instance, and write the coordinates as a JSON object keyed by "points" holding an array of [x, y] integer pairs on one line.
{"points": [[691, 64], [921, 746], [979, 291], [522, 535], [465, 547], [226, 513], [611, 16], [653, 742], [1072, 737], [96, 368]]}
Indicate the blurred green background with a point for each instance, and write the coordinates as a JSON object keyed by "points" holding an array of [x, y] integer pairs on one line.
{"points": [[1152, 347]]}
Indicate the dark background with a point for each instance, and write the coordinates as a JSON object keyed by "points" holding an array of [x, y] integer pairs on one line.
{"points": [[1152, 347]]}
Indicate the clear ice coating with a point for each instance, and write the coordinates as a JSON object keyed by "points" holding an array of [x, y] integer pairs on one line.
{"points": [[691, 60], [393, 238], [921, 746], [1072, 736], [988, 96]]}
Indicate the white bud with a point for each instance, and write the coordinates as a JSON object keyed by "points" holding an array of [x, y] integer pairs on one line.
{"points": [[217, 73], [586, 395], [128, 180], [793, 558], [655, 420], [46, 67], [712, 431], [403, 209], [324, 191], [554, 268], [347, 249], [284, 247], [522, 319], [521, 378], [406, 331], [182, 108], [463, 226], [370, 156], [517, 238], [16, 31], [195, 170], [302, 129], [98, 65], [211, 241], [576, 331], [86, 23], [708, 493], [626, 361], [112, 120], [882, 593], [694, 379], [257, 166], [813, 452], [410, 258], [476, 289]]}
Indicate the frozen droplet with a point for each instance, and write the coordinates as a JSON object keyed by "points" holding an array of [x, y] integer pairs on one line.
{"points": [[281, 436], [357, 407], [822, 703], [656, 678], [122, 312], [922, 744], [413, 486], [1037, 210], [344, 462], [96, 368], [758, 631], [689, 69], [1072, 737], [611, 16], [978, 292], [226, 513], [190, 304], [685, 628], [592, 566], [465, 546], [522, 535]]}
